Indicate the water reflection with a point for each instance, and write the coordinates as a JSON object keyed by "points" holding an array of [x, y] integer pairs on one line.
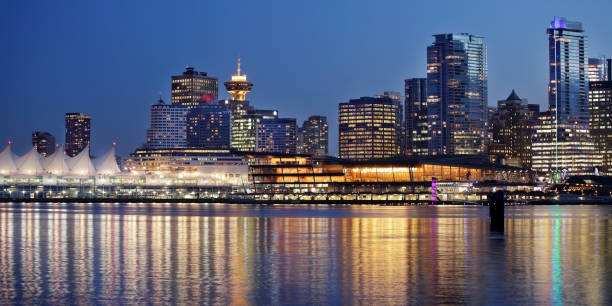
{"points": [[233, 254]]}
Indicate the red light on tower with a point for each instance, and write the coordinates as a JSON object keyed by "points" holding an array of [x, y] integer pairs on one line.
{"points": [[207, 98]]}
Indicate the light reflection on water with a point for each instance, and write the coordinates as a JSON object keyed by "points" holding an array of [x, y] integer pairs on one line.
{"points": [[241, 254]]}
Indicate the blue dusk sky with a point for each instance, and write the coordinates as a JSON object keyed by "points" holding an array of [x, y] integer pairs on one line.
{"points": [[112, 59]]}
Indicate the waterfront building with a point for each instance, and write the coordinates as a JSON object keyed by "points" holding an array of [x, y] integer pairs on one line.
{"points": [[457, 94], [368, 128], [314, 134], [193, 87], [168, 126], [238, 87], [190, 166], [33, 164], [209, 126], [562, 148], [568, 62], [44, 143], [276, 135], [511, 129], [600, 124], [78, 133], [56, 163], [30, 163], [7, 161], [415, 178], [415, 119], [599, 69], [244, 128]]}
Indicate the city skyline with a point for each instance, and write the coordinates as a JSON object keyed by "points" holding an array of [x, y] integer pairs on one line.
{"points": [[125, 99]]}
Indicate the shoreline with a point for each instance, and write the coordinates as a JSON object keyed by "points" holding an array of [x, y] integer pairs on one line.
{"points": [[297, 202]]}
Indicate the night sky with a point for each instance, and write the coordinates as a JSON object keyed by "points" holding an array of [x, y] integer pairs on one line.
{"points": [[112, 59]]}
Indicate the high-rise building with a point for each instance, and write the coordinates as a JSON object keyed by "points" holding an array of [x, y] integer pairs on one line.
{"points": [[368, 128], [562, 148], [276, 135], [244, 129], [44, 143], [511, 130], [78, 132], [236, 107], [561, 142], [208, 127], [600, 123], [193, 87], [417, 134], [457, 94], [398, 99], [299, 142], [315, 136], [168, 126], [598, 69], [568, 62], [238, 87]]}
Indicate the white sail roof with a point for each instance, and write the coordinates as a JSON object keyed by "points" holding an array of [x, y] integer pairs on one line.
{"points": [[56, 163], [7, 161], [107, 163], [81, 164], [29, 164]]}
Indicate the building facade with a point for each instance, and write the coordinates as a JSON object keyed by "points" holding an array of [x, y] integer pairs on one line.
{"points": [[415, 118], [278, 135], [568, 62], [369, 128], [599, 69], [78, 132], [511, 129], [600, 124], [315, 139], [193, 87], [244, 129], [44, 143], [168, 126], [209, 126], [236, 107], [562, 149], [299, 142], [457, 94], [189, 166]]}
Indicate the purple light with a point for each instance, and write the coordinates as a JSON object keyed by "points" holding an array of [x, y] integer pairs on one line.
{"points": [[433, 189], [558, 23]]}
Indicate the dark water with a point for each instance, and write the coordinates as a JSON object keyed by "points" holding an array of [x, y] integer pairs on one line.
{"points": [[239, 254]]}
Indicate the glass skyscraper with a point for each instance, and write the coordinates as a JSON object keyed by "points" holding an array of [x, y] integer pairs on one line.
{"points": [[568, 62], [276, 135], [244, 128], [209, 126], [598, 69], [561, 141], [457, 94], [415, 118]]}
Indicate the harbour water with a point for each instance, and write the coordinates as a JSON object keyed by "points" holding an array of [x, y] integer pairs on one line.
{"points": [[299, 254]]}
